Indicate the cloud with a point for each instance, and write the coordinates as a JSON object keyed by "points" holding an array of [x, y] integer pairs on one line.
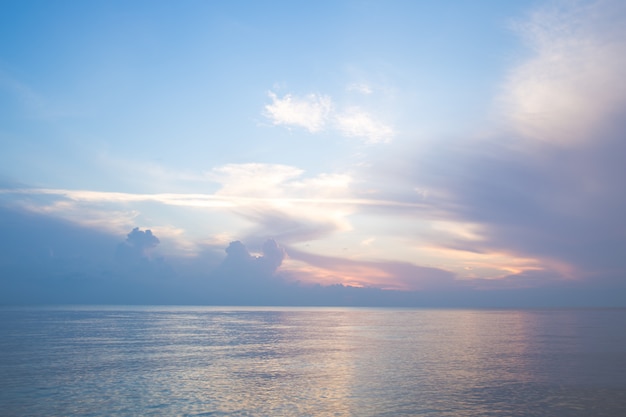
{"points": [[195, 199], [137, 249], [561, 197], [290, 208], [316, 113], [266, 199], [272, 257], [253, 179], [47, 260], [546, 189], [360, 88], [310, 112], [236, 255], [293, 226], [32, 239], [354, 122], [573, 81], [240, 266], [240, 185], [142, 240], [391, 275], [538, 201], [553, 210]]}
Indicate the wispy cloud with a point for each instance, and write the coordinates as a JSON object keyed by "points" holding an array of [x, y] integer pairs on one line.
{"points": [[33, 103], [395, 275], [198, 200], [360, 88], [354, 122], [573, 81]]}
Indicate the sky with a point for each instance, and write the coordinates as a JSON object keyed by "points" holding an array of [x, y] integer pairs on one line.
{"points": [[426, 153]]}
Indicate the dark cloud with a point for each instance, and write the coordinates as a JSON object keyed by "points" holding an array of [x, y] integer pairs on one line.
{"points": [[48, 260], [45, 260], [137, 247], [273, 256], [142, 240], [239, 264], [237, 253], [560, 204]]}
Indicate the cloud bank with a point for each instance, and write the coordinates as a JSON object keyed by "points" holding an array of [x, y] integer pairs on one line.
{"points": [[57, 262], [546, 183]]}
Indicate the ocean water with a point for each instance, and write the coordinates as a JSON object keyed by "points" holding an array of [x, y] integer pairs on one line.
{"points": [[188, 361]]}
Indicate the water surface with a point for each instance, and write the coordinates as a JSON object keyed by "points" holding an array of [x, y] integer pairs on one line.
{"points": [[198, 361]]}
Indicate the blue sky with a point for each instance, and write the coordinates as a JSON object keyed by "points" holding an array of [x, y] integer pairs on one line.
{"points": [[456, 147]]}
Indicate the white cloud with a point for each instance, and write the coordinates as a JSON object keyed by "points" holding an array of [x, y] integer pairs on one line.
{"points": [[323, 185], [356, 123], [574, 79], [253, 179], [281, 194], [316, 113], [310, 112], [276, 197]]}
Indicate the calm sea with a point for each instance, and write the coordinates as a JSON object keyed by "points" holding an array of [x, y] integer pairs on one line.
{"points": [[184, 361]]}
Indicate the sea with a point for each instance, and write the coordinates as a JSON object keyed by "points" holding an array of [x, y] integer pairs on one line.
{"points": [[244, 361]]}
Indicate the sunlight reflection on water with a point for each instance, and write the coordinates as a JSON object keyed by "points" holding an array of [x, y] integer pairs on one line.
{"points": [[311, 362]]}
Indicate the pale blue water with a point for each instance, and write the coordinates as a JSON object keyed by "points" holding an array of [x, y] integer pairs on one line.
{"points": [[171, 361]]}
